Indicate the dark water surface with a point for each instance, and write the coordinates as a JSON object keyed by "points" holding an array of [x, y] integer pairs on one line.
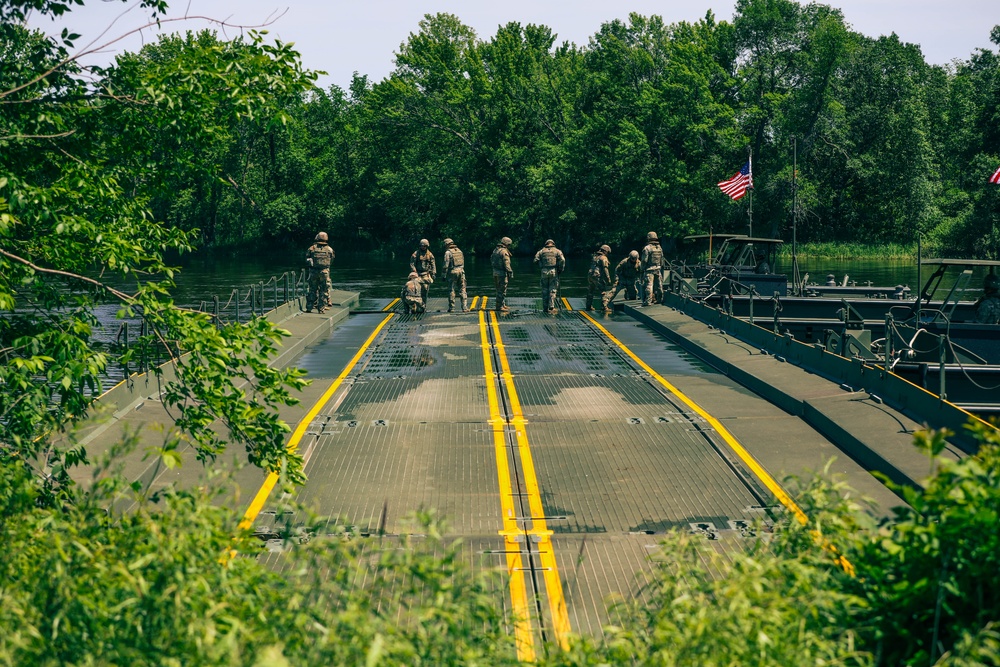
{"points": [[382, 276]]}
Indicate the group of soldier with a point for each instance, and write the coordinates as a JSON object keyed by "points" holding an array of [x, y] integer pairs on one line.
{"points": [[637, 271]]}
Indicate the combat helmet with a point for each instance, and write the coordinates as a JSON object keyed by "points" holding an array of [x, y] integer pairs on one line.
{"points": [[413, 274], [322, 237], [651, 236], [606, 249], [424, 243], [634, 254], [505, 241], [549, 243], [448, 242]]}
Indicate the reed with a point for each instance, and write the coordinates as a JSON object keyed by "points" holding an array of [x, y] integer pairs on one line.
{"points": [[848, 250]]}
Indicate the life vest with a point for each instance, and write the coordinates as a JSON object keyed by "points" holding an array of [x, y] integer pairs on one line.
{"points": [[321, 255], [548, 258], [457, 259]]}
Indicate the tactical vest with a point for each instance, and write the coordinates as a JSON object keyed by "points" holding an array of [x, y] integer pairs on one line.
{"points": [[322, 256], [422, 262], [411, 289], [628, 270], [653, 257], [496, 259], [548, 258], [596, 265], [457, 258]]}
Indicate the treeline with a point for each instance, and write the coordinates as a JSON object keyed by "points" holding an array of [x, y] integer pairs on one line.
{"points": [[520, 135]]}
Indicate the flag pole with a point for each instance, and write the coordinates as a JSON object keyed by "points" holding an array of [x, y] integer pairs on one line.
{"points": [[750, 191], [796, 277]]}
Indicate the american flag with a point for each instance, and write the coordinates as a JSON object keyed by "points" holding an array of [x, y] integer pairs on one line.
{"points": [[737, 186], [995, 178]]}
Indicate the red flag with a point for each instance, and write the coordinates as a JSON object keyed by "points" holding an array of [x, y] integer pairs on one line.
{"points": [[995, 178], [737, 186]]}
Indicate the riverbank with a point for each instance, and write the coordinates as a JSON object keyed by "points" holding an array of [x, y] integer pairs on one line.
{"points": [[855, 251]]}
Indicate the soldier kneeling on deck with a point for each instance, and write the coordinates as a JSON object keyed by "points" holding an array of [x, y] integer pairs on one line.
{"points": [[411, 296]]}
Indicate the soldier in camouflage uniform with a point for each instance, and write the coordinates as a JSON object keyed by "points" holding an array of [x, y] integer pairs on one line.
{"points": [[454, 271], [652, 269], [411, 296], [627, 275], [502, 273], [423, 264], [552, 262], [988, 306], [319, 257], [599, 278]]}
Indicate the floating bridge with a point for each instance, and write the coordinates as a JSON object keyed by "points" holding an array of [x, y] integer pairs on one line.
{"points": [[559, 447]]}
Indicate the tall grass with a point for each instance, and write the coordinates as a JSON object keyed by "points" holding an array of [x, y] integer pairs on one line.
{"points": [[853, 250]]}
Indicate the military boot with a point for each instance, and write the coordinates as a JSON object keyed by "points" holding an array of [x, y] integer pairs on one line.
{"points": [[465, 305]]}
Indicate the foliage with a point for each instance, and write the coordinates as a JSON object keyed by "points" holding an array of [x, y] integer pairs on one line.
{"points": [[80, 164], [163, 585]]}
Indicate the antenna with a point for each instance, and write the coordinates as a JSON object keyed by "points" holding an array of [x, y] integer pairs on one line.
{"points": [[796, 277]]}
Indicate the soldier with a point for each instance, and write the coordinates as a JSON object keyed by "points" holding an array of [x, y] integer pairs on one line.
{"points": [[422, 262], [502, 273], [552, 262], [627, 275], [599, 278], [319, 257], [652, 269], [988, 306], [454, 271], [412, 298]]}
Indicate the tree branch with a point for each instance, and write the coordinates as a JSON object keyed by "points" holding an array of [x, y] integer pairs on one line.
{"points": [[38, 136], [66, 274], [88, 50]]}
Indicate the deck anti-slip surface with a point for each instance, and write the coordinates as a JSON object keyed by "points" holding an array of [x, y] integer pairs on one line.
{"points": [[547, 447]]}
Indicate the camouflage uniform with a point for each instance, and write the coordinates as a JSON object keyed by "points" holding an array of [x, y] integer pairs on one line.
{"points": [[652, 268], [502, 273], [423, 264], [988, 309], [319, 257], [454, 270], [599, 278], [411, 295], [627, 275], [552, 262]]}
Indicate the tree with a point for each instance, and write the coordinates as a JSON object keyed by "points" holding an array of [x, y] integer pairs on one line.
{"points": [[76, 232]]}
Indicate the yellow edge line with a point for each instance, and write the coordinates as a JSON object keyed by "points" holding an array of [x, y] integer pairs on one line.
{"points": [[523, 636], [391, 305], [475, 300], [566, 303], [265, 490], [485, 299], [553, 584], [733, 443]]}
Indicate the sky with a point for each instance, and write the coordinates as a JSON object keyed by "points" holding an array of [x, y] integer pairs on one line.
{"points": [[341, 37]]}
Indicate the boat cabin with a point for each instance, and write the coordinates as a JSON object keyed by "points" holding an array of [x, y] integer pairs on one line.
{"points": [[749, 260]]}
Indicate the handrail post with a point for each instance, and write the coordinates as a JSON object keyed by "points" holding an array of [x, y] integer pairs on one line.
{"points": [[942, 355], [215, 304]]}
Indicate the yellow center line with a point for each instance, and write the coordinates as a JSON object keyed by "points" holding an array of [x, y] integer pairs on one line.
{"points": [[523, 635], [539, 527], [392, 304], [272, 478], [566, 303], [485, 299]]}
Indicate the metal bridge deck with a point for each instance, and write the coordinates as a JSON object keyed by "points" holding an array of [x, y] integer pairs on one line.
{"points": [[557, 446]]}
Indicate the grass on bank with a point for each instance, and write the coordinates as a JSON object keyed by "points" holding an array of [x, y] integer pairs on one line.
{"points": [[847, 250]]}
